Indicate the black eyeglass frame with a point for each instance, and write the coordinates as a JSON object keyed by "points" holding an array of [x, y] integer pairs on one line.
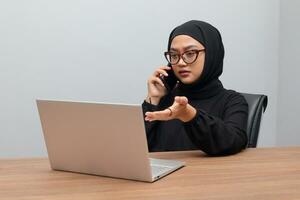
{"points": [[167, 53]]}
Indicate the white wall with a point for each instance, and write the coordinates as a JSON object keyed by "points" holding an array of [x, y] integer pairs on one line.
{"points": [[105, 51], [289, 82]]}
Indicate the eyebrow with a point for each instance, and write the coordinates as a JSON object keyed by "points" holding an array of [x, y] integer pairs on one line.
{"points": [[185, 48]]}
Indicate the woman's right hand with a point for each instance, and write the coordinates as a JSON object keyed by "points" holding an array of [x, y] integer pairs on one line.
{"points": [[156, 88]]}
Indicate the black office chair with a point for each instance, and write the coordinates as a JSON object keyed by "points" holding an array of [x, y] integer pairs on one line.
{"points": [[257, 105]]}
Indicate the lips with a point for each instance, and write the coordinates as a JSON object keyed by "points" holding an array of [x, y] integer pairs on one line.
{"points": [[184, 73]]}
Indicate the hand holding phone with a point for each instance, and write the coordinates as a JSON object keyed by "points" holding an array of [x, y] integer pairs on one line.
{"points": [[169, 81], [160, 83]]}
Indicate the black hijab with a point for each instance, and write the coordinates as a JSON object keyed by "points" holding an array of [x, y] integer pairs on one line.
{"points": [[208, 84]]}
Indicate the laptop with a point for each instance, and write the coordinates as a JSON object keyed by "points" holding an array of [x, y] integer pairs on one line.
{"points": [[100, 139]]}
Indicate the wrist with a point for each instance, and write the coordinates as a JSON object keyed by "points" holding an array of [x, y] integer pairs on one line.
{"points": [[154, 100]]}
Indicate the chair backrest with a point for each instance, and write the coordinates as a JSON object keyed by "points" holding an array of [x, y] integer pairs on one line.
{"points": [[257, 104]]}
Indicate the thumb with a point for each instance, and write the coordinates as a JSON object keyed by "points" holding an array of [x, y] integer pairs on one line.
{"points": [[181, 100]]}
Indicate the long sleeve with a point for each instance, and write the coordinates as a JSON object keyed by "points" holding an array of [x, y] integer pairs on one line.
{"points": [[220, 136]]}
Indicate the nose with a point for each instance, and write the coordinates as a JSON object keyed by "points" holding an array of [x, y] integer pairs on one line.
{"points": [[181, 62]]}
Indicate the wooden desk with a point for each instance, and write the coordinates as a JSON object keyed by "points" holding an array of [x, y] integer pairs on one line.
{"points": [[263, 173]]}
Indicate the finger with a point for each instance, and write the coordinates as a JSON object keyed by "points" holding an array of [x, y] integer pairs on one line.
{"points": [[165, 67], [181, 100], [154, 80], [158, 72], [158, 80], [148, 117], [158, 115]]}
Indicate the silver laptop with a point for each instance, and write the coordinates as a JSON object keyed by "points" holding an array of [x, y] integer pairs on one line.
{"points": [[100, 139]]}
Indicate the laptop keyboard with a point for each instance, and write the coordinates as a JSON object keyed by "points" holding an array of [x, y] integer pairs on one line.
{"points": [[158, 169]]}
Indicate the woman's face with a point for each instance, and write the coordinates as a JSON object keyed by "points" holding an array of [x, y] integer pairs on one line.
{"points": [[187, 73]]}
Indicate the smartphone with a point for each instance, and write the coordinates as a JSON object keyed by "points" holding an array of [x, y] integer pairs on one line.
{"points": [[169, 81]]}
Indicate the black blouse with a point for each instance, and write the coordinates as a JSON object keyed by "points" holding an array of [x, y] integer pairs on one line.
{"points": [[219, 127]]}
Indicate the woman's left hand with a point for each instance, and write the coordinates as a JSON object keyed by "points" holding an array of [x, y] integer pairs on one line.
{"points": [[179, 110]]}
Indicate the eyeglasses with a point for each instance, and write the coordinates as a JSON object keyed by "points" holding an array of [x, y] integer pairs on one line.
{"points": [[188, 57]]}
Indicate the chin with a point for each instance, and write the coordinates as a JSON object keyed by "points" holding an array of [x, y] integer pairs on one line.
{"points": [[186, 81]]}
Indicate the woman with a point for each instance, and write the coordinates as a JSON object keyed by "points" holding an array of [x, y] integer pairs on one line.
{"points": [[196, 113]]}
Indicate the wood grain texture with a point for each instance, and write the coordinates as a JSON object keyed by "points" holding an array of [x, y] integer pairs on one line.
{"points": [[262, 173]]}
